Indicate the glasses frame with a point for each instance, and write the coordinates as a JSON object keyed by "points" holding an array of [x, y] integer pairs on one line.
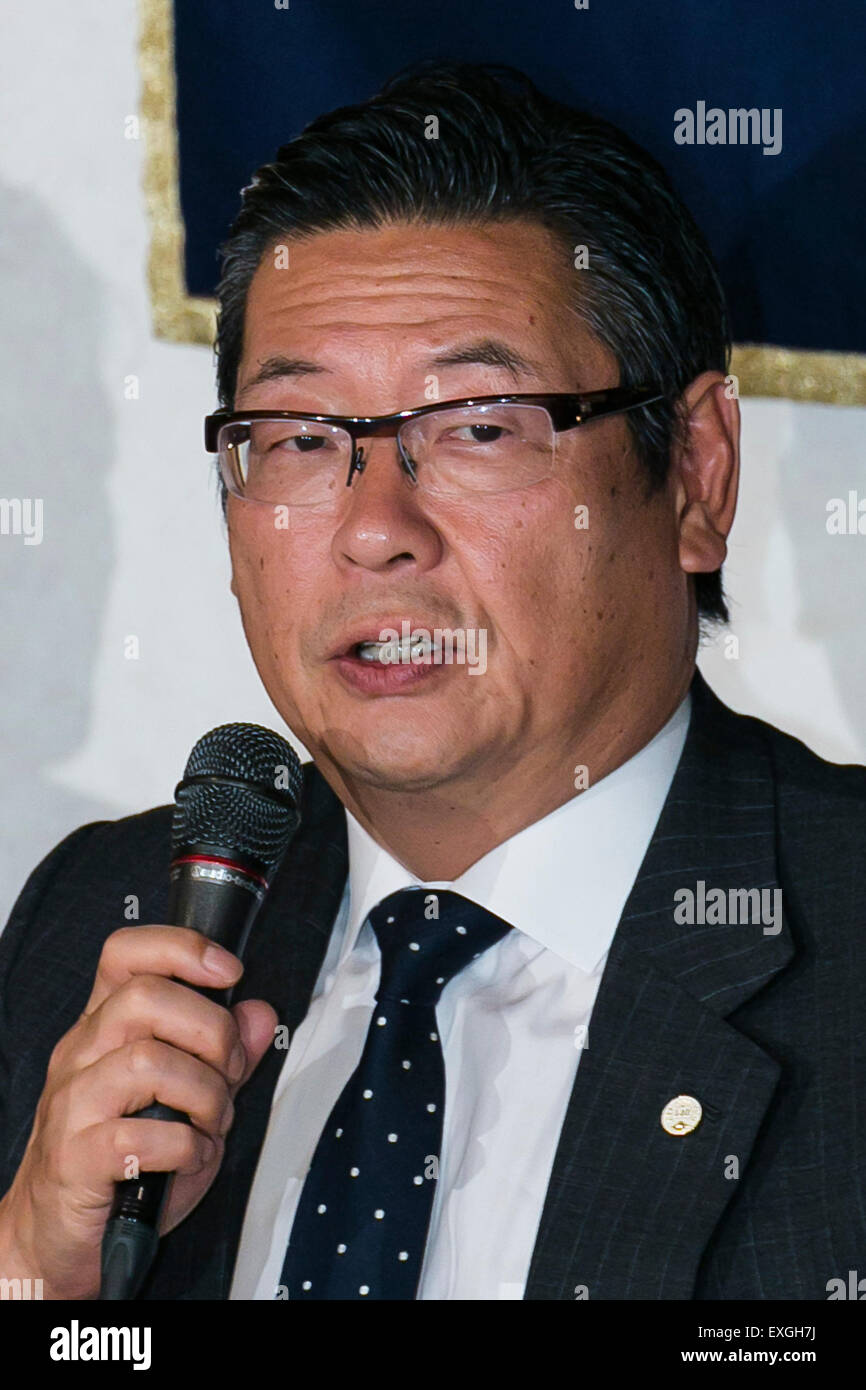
{"points": [[567, 410]]}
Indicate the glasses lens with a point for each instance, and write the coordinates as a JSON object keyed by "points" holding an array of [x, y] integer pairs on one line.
{"points": [[480, 448], [293, 463]]}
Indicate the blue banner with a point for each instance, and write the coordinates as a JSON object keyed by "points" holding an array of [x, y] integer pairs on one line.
{"points": [[779, 194]]}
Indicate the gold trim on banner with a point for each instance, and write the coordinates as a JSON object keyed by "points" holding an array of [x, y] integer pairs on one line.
{"points": [[178, 316], [838, 378], [834, 377]]}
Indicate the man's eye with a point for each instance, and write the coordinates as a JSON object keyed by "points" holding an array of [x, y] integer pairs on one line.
{"points": [[297, 443], [479, 434], [305, 443]]}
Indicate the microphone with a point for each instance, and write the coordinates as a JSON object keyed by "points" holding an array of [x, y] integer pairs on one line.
{"points": [[236, 810]]}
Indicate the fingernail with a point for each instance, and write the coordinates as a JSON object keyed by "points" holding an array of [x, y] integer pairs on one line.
{"points": [[227, 1117], [237, 1062], [218, 961]]}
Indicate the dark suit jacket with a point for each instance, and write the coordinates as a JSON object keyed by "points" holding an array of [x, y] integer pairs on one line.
{"points": [[767, 1031]]}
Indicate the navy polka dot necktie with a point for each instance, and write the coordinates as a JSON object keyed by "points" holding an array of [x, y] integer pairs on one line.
{"points": [[361, 1222]]}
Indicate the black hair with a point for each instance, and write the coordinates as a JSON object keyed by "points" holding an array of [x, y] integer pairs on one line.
{"points": [[503, 150]]}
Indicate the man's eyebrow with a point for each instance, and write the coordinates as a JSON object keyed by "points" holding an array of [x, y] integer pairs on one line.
{"points": [[489, 352], [484, 352], [277, 368]]}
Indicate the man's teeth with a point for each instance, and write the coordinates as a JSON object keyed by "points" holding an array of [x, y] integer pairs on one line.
{"points": [[401, 651], [369, 651]]}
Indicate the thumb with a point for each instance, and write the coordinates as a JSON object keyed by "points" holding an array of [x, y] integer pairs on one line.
{"points": [[256, 1022]]}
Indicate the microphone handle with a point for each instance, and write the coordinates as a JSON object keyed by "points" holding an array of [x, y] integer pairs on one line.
{"points": [[219, 898]]}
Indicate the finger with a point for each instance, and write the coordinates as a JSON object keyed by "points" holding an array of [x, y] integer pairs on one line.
{"points": [[132, 1077], [119, 1149], [152, 1006], [256, 1022], [161, 950]]}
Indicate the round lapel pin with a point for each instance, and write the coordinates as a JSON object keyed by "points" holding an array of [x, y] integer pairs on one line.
{"points": [[681, 1115]]}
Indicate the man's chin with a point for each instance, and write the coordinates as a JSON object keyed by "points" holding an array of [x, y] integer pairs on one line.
{"points": [[399, 781], [402, 762]]}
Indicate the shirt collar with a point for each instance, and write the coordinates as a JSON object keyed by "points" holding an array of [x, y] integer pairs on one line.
{"points": [[562, 881]]}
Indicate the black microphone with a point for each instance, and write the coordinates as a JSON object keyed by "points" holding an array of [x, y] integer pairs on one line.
{"points": [[236, 812]]}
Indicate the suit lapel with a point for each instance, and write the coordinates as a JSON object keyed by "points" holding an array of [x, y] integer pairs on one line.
{"points": [[630, 1208]]}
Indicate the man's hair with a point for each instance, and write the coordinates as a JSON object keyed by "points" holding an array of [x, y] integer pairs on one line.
{"points": [[505, 150]]}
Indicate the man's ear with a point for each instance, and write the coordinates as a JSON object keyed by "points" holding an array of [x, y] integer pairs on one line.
{"points": [[706, 472], [233, 582]]}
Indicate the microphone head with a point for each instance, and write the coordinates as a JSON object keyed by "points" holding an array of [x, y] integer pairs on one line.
{"points": [[239, 796]]}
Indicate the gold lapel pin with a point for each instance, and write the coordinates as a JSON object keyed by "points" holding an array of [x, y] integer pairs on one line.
{"points": [[681, 1115]]}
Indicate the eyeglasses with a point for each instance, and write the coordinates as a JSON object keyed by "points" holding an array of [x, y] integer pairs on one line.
{"points": [[486, 444]]}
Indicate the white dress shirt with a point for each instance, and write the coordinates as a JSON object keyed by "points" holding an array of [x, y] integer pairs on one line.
{"points": [[512, 1026]]}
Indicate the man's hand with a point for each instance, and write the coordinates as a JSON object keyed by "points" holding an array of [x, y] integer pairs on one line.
{"points": [[143, 1037]]}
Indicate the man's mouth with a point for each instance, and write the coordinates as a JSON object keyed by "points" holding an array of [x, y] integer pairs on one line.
{"points": [[392, 656], [388, 639]]}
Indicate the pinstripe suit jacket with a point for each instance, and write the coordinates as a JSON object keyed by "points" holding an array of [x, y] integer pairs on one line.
{"points": [[765, 1199]]}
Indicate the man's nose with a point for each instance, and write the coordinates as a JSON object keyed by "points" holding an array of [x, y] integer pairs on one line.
{"points": [[383, 524]]}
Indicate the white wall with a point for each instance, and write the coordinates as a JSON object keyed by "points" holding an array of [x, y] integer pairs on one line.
{"points": [[133, 539]]}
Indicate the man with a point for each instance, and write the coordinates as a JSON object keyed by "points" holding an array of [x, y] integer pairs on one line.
{"points": [[636, 1074]]}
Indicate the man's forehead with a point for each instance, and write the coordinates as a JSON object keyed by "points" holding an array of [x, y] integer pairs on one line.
{"points": [[496, 296], [387, 272]]}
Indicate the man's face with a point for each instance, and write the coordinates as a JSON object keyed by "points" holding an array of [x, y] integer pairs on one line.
{"points": [[576, 619]]}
